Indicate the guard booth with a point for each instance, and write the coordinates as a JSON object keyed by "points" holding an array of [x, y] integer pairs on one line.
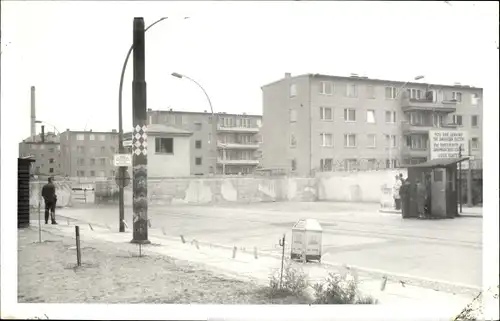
{"points": [[23, 191], [440, 175], [307, 238]]}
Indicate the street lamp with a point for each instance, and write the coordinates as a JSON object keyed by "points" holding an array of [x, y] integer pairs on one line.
{"points": [[214, 122], [400, 90], [121, 150]]}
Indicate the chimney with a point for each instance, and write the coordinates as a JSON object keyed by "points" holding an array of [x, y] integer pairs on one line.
{"points": [[288, 75], [42, 135], [33, 116]]}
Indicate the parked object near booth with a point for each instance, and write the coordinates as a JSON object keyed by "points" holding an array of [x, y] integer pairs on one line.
{"points": [[307, 240]]}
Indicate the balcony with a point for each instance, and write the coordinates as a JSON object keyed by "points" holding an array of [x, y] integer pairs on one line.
{"points": [[445, 106], [424, 128], [237, 129], [241, 145], [409, 152], [237, 161]]}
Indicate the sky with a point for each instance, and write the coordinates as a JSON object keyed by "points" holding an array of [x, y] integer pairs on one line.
{"points": [[73, 52]]}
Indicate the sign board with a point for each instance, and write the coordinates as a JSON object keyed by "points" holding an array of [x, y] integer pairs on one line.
{"points": [[127, 143], [445, 144], [122, 181], [122, 160]]}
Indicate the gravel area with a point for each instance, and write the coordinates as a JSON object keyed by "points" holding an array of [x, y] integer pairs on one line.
{"points": [[110, 273]]}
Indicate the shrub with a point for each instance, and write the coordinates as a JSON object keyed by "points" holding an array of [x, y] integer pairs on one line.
{"points": [[294, 280], [338, 289]]}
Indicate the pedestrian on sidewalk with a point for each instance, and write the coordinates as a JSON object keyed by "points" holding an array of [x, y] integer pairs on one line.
{"points": [[421, 196], [395, 193], [50, 199]]}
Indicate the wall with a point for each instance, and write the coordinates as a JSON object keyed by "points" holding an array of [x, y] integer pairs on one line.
{"points": [[65, 196]]}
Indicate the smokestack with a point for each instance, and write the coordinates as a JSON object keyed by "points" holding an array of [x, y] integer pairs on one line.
{"points": [[42, 135], [33, 116]]}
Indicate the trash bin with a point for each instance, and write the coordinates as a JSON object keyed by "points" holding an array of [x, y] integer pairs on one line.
{"points": [[306, 238]]}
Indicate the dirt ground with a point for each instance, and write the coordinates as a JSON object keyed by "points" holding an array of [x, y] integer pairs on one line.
{"points": [[47, 273]]}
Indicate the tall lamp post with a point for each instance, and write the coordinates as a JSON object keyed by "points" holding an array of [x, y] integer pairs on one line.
{"points": [[398, 93], [213, 141], [121, 149]]}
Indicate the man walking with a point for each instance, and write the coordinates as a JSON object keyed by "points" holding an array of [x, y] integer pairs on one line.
{"points": [[50, 198], [395, 192]]}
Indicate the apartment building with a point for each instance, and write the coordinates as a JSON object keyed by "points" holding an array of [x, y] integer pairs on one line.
{"points": [[230, 145], [88, 153], [45, 149], [317, 122]]}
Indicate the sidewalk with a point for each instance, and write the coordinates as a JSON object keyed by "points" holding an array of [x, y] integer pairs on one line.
{"points": [[246, 267], [475, 212]]}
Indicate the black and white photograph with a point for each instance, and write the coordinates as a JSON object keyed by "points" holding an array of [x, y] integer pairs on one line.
{"points": [[249, 160]]}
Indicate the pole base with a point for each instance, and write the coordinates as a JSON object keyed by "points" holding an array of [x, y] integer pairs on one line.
{"points": [[140, 241]]}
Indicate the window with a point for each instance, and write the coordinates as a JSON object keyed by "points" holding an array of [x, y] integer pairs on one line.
{"points": [[474, 99], [370, 116], [416, 118], [294, 164], [350, 140], [80, 161], [326, 113], [456, 96], [352, 90], [103, 150], [197, 144], [438, 120], [293, 141], [390, 117], [326, 164], [293, 90], [370, 92], [293, 115], [390, 140], [414, 93], [92, 173], [351, 164], [438, 176], [349, 115], [80, 173], [197, 160], [80, 137], [416, 142], [390, 93], [103, 161], [164, 145], [390, 163], [326, 139], [92, 161], [197, 126], [371, 141], [51, 150], [51, 170], [475, 143], [457, 120], [92, 137], [112, 173], [474, 122], [51, 161], [326, 88]]}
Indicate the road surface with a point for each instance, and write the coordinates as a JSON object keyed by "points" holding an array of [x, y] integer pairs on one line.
{"points": [[353, 234]]}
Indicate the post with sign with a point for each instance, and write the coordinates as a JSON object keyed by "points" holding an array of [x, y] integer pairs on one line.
{"points": [[139, 138], [460, 178], [469, 180], [122, 179]]}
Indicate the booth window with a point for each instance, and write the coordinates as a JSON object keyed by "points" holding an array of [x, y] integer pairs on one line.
{"points": [[313, 239], [297, 238], [438, 176]]}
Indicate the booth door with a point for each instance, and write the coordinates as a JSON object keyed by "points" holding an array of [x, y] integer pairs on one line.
{"points": [[438, 197]]}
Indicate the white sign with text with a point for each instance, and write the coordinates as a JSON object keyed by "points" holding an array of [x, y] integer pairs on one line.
{"points": [[445, 144], [122, 160]]}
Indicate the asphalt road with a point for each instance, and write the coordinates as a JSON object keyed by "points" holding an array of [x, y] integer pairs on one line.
{"points": [[353, 234]]}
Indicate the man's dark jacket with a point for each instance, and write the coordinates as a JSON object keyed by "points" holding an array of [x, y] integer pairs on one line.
{"points": [[49, 193]]}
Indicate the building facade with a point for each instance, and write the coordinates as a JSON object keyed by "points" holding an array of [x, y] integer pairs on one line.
{"points": [[230, 146], [45, 149], [168, 151], [318, 122], [88, 153]]}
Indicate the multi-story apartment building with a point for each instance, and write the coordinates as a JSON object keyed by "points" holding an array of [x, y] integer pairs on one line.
{"points": [[230, 146], [45, 150], [320, 122], [88, 153]]}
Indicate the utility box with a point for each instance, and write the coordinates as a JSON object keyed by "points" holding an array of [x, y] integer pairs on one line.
{"points": [[307, 239]]}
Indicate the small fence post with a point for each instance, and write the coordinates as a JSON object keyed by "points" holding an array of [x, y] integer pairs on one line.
{"points": [[234, 251], [78, 253], [282, 244], [39, 223]]}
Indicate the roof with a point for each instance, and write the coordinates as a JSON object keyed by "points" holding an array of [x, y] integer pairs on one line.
{"points": [[438, 162], [363, 78], [201, 113], [164, 129], [307, 225]]}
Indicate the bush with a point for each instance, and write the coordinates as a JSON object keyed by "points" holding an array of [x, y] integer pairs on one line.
{"points": [[338, 289], [294, 280]]}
